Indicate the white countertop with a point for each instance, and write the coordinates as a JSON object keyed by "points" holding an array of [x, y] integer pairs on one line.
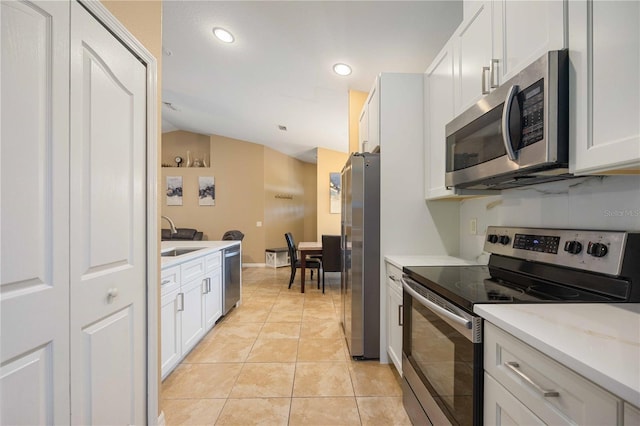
{"points": [[210, 245], [422, 260], [598, 341]]}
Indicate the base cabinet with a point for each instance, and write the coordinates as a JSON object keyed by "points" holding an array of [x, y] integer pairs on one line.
{"points": [[524, 386], [394, 315], [191, 303]]}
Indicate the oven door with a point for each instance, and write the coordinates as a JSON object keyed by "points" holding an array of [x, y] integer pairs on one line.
{"points": [[441, 359]]}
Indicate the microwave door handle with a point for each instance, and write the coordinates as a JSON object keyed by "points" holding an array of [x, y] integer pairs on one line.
{"points": [[506, 113], [430, 305]]}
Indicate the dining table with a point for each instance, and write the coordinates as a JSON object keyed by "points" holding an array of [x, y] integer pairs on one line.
{"points": [[307, 248]]}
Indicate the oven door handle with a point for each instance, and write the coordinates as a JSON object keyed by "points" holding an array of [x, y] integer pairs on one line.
{"points": [[434, 307]]}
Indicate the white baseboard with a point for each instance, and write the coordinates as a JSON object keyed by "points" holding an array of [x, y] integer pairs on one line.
{"points": [[161, 421], [254, 265]]}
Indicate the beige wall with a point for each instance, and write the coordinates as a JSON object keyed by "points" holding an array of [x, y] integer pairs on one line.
{"points": [[248, 177], [356, 101], [328, 161], [310, 202], [238, 170]]}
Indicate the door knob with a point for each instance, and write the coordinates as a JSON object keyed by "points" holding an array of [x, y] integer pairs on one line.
{"points": [[112, 293]]}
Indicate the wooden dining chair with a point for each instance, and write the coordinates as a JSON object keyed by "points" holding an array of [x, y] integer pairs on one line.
{"points": [[295, 262]]}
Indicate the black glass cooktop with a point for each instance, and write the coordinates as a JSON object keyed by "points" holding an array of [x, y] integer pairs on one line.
{"points": [[469, 285]]}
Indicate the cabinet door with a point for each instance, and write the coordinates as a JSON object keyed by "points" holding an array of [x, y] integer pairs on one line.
{"points": [[373, 107], [631, 415], [363, 129], [394, 326], [523, 32], [438, 111], [170, 332], [213, 298], [473, 52], [604, 87], [503, 409], [192, 326]]}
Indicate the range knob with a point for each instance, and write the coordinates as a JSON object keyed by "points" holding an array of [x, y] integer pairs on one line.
{"points": [[492, 238], [597, 249], [573, 247], [504, 239]]}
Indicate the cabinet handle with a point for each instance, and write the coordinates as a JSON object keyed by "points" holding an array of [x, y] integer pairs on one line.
{"points": [[514, 367], [400, 315], [494, 65], [208, 285], [485, 91], [181, 307], [165, 282], [393, 278], [205, 289]]}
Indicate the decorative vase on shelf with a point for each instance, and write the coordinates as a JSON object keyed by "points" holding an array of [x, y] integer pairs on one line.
{"points": [[189, 163], [204, 162], [197, 162]]}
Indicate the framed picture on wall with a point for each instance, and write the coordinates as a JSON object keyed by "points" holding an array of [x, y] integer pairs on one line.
{"points": [[334, 192], [207, 191], [174, 190]]}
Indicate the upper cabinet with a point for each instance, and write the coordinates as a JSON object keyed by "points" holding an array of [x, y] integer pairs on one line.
{"points": [[499, 38], [604, 46], [369, 129]]}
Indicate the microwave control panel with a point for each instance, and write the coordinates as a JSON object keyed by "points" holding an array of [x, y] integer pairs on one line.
{"points": [[531, 102]]}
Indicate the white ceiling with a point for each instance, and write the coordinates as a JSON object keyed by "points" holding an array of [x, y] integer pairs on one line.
{"points": [[279, 69]]}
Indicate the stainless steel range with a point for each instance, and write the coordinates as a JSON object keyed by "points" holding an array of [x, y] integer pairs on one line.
{"points": [[442, 337]]}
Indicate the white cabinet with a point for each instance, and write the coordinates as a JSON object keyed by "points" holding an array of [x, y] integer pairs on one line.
{"points": [[499, 38], [170, 335], [191, 303], [473, 44], [631, 415], [546, 390], [213, 289], [394, 315], [369, 130], [523, 31], [604, 86]]}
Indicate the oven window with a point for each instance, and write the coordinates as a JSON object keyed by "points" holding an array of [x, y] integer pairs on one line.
{"points": [[444, 358]]}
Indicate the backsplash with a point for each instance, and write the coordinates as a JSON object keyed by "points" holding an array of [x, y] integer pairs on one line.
{"points": [[597, 202]]}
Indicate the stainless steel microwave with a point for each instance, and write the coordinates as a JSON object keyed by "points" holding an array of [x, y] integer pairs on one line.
{"points": [[518, 134]]}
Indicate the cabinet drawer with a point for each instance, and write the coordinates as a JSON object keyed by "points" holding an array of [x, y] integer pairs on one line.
{"points": [[394, 274], [527, 373], [170, 279], [192, 269], [213, 261]]}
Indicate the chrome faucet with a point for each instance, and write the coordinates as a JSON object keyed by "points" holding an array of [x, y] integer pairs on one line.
{"points": [[171, 224]]}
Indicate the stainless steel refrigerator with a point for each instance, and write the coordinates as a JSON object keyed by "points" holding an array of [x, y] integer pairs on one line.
{"points": [[360, 228]]}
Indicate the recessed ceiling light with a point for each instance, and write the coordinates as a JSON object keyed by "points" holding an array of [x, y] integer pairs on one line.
{"points": [[223, 35], [342, 69]]}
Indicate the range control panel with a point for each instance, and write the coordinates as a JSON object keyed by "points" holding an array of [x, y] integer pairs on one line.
{"points": [[596, 251]]}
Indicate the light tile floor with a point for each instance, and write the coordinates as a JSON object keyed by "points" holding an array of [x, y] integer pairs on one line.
{"points": [[281, 359]]}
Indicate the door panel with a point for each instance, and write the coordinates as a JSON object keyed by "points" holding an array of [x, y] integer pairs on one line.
{"points": [[34, 289], [108, 255]]}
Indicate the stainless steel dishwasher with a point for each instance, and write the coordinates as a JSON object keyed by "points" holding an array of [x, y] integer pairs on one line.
{"points": [[232, 276]]}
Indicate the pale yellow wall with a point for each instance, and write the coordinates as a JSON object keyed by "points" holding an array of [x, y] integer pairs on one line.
{"points": [[310, 202], [328, 161], [356, 101], [238, 169], [284, 198]]}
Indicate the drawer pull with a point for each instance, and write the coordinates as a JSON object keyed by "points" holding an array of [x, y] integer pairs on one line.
{"points": [[165, 282], [400, 315], [393, 278], [514, 367]]}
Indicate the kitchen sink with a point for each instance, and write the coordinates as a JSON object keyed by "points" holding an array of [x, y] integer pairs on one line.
{"points": [[178, 252]]}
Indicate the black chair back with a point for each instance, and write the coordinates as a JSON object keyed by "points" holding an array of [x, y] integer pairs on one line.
{"points": [[331, 256], [293, 257], [233, 235]]}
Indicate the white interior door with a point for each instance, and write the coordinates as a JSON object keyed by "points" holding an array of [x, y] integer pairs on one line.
{"points": [[34, 286], [107, 236]]}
